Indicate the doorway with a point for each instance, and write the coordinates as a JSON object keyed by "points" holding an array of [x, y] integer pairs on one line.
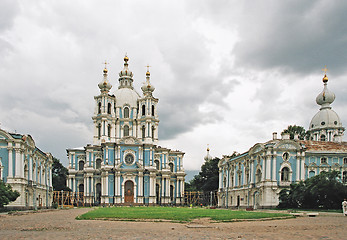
{"points": [[129, 192]]}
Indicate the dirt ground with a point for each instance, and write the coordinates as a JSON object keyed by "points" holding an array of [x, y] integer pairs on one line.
{"points": [[61, 224]]}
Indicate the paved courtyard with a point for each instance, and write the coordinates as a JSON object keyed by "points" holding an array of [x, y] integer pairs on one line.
{"points": [[61, 224]]}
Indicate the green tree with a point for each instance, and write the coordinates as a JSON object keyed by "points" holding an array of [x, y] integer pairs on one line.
{"points": [[59, 175], [322, 191], [7, 195], [207, 179], [292, 130]]}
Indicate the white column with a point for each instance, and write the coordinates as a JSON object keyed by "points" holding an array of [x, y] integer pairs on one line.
{"points": [[263, 170], [302, 170], [251, 171], [10, 163], [220, 178], [85, 182], [30, 168], [268, 167], [297, 167], [274, 160]]}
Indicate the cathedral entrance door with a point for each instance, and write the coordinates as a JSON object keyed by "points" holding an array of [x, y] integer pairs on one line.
{"points": [[129, 192]]}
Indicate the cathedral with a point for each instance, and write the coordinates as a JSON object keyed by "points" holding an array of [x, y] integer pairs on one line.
{"points": [[254, 179], [27, 170], [125, 165]]}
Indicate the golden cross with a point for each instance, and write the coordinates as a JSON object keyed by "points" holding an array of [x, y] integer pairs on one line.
{"points": [[106, 63], [147, 67], [325, 69]]}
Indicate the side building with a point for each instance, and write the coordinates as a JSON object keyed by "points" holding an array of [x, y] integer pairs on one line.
{"points": [[255, 178], [27, 169], [125, 165]]}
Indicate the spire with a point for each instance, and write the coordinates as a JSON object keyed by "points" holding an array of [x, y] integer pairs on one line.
{"points": [[126, 76], [147, 87], [104, 85]]}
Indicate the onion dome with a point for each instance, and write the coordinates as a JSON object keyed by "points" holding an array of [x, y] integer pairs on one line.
{"points": [[326, 97], [126, 72], [104, 85], [147, 87], [208, 157]]}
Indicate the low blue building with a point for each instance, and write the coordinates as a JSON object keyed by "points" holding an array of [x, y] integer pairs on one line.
{"points": [[27, 169], [125, 165], [255, 178]]}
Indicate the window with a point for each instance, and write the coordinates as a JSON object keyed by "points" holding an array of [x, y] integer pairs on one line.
{"points": [[109, 108], [153, 110], [323, 160], [345, 161], [109, 130], [143, 132], [99, 130], [98, 163], [239, 179], [80, 165], [344, 177], [129, 159], [171, 167], [285, 174], [258, 176], [99, 107], [126, 112], [81, 188], [126, 130], [156, 162], [311, 174], [143, 110], [153, 133], [322, 138], [285, 156]]}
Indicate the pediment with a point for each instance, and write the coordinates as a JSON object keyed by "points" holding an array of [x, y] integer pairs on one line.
{"points": [[129, 140]]}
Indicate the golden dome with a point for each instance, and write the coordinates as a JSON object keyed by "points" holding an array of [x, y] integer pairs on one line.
{"points": [[148, 73], [105, 70], [325, 79], [126, 58]]}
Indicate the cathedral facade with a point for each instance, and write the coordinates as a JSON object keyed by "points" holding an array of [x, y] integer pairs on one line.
{"points": [[255, 178], [125, 165], [27, 170]]}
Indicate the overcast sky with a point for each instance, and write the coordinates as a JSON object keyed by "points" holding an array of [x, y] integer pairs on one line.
{"points": [[227, 73]]}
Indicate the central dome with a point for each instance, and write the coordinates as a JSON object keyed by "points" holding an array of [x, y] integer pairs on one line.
{"points": [[325, 118], [126, 96]]}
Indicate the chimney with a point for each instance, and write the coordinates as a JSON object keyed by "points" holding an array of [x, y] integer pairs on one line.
{"points": [[274, 135], [285, 136]]}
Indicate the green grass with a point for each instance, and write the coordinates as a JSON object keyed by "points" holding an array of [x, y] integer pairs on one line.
{"points": [[182, 214]]}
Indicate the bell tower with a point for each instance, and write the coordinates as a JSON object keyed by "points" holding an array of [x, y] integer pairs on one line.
{"points": [[104, 114], [147, 114]]}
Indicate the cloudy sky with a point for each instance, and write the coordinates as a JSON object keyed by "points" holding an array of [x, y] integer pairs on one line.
{"points": [[227, 73]]}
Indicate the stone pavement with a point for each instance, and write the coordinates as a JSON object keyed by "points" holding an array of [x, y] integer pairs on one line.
{"points": [[61, 224]]}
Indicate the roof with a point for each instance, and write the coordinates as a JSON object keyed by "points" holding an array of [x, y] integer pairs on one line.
{"points": [[319, 146]]}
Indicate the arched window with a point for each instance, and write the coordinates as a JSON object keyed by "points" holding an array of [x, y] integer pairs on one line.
{"points": [[109, 108], [109, 130], [153, 110], [285, 174], [126, 130], [285, 156], [25, 172], [152, 133], [171, 166], [99, 107], [126, 112], [311, 174], [344, 177], [99, 130], [239, 180], [323, 160], [258, 176], [98, 163], [143, 130], [345, 161], [156, 162], [80, 165], [143, 110], [81, 187], [322, 138]]}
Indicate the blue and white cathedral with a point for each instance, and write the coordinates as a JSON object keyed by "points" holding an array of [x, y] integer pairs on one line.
{"points": [[125, 165], [254, 179]]}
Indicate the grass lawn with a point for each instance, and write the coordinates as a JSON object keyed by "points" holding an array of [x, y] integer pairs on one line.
{"points": [[179, 214]]}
